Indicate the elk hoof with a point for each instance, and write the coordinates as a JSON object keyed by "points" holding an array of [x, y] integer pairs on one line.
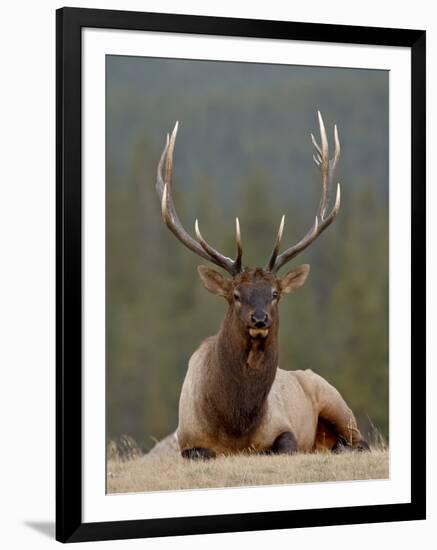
{"points": [[285, 444], [198, 453], [342, 447], [362, 446]]}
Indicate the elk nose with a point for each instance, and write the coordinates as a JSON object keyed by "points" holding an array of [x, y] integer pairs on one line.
{"points": [[259, 319]]}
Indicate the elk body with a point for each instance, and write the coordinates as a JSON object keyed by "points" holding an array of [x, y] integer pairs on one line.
{"points": [[234, 397]]}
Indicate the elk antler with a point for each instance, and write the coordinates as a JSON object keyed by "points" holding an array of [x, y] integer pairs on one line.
{"points": [[171, 219], [327, 169]]}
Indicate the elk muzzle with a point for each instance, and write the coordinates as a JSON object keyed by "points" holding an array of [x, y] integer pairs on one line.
{"points": [[259, 324]]}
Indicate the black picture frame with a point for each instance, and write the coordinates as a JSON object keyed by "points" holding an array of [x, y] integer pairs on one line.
{"points": [[69, 24]]}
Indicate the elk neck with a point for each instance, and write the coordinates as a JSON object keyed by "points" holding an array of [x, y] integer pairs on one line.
{"points": [[242, 373]]}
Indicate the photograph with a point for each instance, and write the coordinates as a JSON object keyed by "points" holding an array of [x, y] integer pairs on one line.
{"points": [[246, 275], [240, 267]]}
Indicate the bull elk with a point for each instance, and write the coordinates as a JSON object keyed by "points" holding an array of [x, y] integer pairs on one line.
{"points": [[234, 397]]}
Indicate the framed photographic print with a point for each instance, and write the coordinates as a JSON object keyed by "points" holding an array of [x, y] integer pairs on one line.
{"points": [[208, 379]]}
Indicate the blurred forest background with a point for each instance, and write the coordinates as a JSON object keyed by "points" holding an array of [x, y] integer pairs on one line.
{"points": [[243, 149]]}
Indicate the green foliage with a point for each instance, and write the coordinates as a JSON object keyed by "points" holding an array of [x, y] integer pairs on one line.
{"points": [[241, 152]]}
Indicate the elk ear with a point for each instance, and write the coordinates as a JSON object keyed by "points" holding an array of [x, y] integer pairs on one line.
{"points": [[294, 279], [214, 281]]}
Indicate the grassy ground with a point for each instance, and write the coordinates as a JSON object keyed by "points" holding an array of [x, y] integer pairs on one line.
{"points": [[164, 469]]}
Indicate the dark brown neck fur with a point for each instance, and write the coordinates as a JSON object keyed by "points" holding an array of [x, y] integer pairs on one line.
{"points": [[242, 372]]}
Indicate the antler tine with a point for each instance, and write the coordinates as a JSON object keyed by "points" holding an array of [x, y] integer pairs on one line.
{"points": [[324, 166], [232, 266], [171, 219], [168, 174], [275, 251], [327, 169], [237, 262], [333, 162], [159, 181]]}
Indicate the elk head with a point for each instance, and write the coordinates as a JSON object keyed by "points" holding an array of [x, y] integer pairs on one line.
{"points": [[252, 294]]}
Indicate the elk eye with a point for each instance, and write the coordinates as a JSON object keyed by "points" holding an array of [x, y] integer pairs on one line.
{"points": [[236, 296], [275, 295]]}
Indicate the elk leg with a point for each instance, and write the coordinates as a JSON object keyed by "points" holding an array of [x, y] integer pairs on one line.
{"points": [[198, 453], [335, 413], [285, 443]]}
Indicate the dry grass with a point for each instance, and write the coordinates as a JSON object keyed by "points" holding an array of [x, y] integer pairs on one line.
{"points": [[166, 470]]}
